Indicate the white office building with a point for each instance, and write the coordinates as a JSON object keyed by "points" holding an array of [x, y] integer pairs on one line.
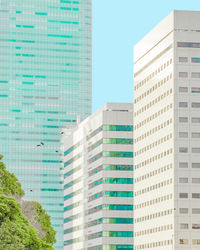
{"points": [[98, 181], [167, 135]]}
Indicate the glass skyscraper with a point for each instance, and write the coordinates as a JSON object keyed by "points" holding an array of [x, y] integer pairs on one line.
{"points": [[45, 84]]}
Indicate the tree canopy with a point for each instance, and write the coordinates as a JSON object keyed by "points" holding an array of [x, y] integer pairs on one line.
{"points": [[23, 224]]}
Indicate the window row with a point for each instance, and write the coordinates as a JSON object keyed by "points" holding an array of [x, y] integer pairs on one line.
{"points": [[68, 151], [110, 154], [154, 158], [153, 187], [110, 141], [153, 102], [117, 207], [184, 59], [154, 230], [109, 221], [71, 195], [71, 183], [185, 135], [186, 180], [111, 207], [99, 221], [152, 89], [72, 171], [110, 194], [194, 195], [185, 90], [74, 240], [193, 119], [110, 234], [153, 130], [185, 74], [126, 128], [153, 216], [185, 150], [153, 173], [186, 241], [111, 168], [74, 205], [186, 226], [153, 74], [110, 181], [111, 247], [154, 144], [185, 105], [78, 156], [188, 45], [154, 116], [185, 165], [153, 201], [154, 244]]}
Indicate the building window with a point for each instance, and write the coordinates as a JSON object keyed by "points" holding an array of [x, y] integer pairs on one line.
{"points": [[183, 134], [183, 195], [195, 150], [195, 90], [183, 241], [195, 105], [183, 180], [195, 226], [183, 150], [195, 60], [183, 74], [196, 211], [183, 119], [195, 135], [195, 180], [183, 59], [117, 154], [195, 74], [183, 210], [195, 195], [196, 241], [195, 165], [188, 45], [195, 120], [183, 89], [183, 165], [183, 104], [183, 226]]}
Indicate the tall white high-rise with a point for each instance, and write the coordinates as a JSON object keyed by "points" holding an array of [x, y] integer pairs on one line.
{"points": [[98, 181], [167, 135]]}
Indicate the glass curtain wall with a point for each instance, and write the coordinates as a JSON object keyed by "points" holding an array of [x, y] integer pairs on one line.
{"points": [[45, 84]]}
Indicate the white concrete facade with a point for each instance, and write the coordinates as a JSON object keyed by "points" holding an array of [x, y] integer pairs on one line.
{"points": [[167, 135], [98, 181]]}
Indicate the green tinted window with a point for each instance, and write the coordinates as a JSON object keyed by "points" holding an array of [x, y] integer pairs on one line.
{"points": [[117, 234], [118, 194], [117, 207], [118, 220], [117, 247], [117, 128], [117, 141], [118, 167], [118, 154], [118, 180]]}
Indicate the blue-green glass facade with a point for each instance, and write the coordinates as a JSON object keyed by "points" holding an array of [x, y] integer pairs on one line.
{"points": [[45, 83]]}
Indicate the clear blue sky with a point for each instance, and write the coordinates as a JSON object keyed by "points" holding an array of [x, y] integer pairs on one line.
{"points": [[117, 26]]}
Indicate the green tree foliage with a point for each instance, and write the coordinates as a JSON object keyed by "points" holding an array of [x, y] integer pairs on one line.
{"points": [[23, 225], [15, 229], [44, 219], [8, 182]]}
